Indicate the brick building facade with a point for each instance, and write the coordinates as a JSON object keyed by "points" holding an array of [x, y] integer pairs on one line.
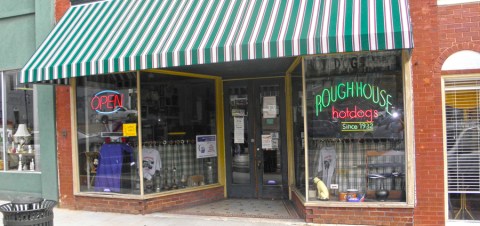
{"points": [[439, 31]]}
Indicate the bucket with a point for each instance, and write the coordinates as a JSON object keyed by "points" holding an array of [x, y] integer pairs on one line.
{"points": [[351, 193]]}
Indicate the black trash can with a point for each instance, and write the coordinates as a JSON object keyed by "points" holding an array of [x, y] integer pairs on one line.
{"points": [[28, 212]]}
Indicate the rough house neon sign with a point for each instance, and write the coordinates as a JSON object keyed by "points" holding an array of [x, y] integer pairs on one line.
{"points": [[342, 91], [106, 102]]}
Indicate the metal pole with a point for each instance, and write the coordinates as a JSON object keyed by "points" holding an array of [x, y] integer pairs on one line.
{"points": [[4, 122]]}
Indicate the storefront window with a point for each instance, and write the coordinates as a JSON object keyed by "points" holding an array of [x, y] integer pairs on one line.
{"points": [[178, 132], [298, 128], [355, 135], [106, 132], [19, 132], [462, 98]]}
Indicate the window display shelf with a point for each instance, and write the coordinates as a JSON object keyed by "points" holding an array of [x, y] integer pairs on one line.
{"points": [[385, 175], [24, 157]]}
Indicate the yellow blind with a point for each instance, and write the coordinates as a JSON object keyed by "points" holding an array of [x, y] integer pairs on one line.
{"points": [[462, 105]]}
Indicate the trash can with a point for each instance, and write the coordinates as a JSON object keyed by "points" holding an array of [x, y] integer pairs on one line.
{"points": [[28, 211]]}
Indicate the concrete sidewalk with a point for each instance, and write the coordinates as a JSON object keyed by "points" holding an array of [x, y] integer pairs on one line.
{"points": [[88, 218]]}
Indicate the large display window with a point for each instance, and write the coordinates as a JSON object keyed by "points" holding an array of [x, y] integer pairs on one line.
{"points": [[108, 159], [178, 132], [145, 133], [355, 137], [19, 132]]}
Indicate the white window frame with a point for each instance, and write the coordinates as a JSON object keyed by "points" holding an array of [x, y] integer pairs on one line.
{"points": [[458, 77]]}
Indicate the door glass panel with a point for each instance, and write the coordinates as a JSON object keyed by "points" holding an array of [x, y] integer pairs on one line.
{"points": [[270, 130], [239, 139]]}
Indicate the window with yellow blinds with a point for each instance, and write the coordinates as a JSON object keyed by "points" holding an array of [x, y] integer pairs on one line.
{"points": [[462, 105]]}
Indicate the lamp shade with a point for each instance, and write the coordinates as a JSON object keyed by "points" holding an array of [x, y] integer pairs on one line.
{"points": [[22, 131]]}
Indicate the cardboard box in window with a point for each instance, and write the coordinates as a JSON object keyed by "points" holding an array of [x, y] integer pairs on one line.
{"points": [[270, 124]]}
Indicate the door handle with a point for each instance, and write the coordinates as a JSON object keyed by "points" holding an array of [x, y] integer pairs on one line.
{"points": [[259, 164]]}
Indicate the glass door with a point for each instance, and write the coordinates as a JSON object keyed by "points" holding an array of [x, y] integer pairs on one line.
{"points": [[256, 156]]}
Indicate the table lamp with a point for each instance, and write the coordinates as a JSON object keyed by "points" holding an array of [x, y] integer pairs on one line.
{"points": [[22, 136]]}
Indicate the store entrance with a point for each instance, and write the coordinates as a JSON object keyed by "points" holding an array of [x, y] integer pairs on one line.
{"points": [[255, 138]]}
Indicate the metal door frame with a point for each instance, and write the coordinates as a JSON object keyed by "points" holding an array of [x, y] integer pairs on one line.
{"points": [[256, 188]]}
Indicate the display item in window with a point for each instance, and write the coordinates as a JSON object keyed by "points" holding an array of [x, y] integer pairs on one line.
{"points": [[32, 165], [327, 162], [151, 163], [165, 182], [12, 148], [22, 137], [20, 162], [209, 173], [174, 178], [382, 193], [111, 167], [158, 182], [183, 181], [322, 189]]}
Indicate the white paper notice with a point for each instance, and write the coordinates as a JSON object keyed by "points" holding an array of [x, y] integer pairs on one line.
{"points": [[238, 112], [270, 107], [267, 141], [274, 143], [206, 146], [238, 131]]}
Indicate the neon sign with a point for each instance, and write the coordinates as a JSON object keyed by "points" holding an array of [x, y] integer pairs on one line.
{"points": [[357, 126], [341, 91], [106, 102], [355, 113]]}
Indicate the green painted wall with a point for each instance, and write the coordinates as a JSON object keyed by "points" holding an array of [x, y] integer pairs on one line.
{"points": [[24, 24], [48, 143], [15, 184]]}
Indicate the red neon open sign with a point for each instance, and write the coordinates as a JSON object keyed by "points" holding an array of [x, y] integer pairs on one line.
{"points": [[106, 102]]}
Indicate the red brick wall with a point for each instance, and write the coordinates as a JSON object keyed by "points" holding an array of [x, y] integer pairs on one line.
{"points": [[353, 216], [299, 207], [439, 31], [458, 24], [427, 93], [359, 216], [459, 29], [184, 199], [135, 206], [61, 6], [64, 147]]}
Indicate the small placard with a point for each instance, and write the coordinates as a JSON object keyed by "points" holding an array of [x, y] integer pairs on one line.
{"points": [[206, 146], [130, 130], [334, 186], [239, 130], [267, 141], [357, 126], [238, 112]]}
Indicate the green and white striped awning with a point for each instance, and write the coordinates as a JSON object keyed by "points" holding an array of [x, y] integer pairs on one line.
{"points": [[126, 35]]}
